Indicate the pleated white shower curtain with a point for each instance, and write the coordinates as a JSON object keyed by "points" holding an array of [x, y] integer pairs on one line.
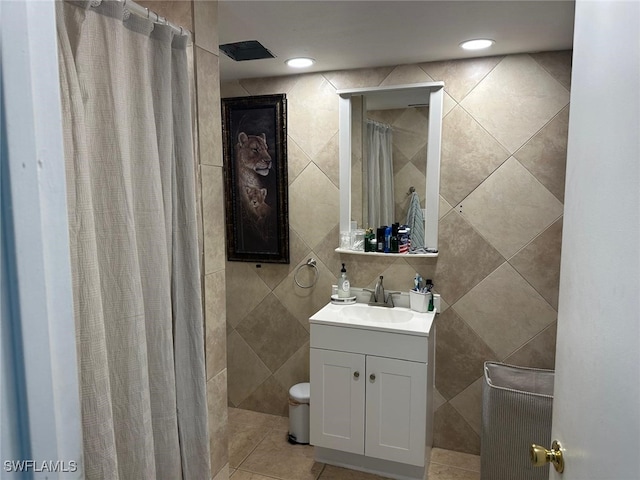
{"points": [[379, 167], [133, 232]]}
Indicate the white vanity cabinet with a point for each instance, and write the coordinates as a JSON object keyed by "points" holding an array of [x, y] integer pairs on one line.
{"points": [[371, 394]]}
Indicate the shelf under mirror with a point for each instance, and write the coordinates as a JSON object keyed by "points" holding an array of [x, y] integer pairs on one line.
{"points": [[376, 254]]}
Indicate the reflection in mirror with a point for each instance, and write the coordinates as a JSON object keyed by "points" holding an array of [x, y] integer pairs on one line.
{"points": [[396, 161], [393, 135]]}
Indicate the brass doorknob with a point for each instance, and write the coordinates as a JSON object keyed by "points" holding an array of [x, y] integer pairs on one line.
{"points": [[540, 456]]}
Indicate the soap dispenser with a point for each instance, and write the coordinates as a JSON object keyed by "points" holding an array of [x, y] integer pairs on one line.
{"points": [[344, 287]]}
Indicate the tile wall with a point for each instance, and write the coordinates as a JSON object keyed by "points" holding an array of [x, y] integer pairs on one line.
{"points": [[501, 205], [201, 18]]}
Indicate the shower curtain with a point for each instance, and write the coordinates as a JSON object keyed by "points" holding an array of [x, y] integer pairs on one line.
{"points": [[380, 198], [133, 232]]}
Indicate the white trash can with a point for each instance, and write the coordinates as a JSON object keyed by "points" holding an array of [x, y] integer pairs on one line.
{"points": [[299, 413]]}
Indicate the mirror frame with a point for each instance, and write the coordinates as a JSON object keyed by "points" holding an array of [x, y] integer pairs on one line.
{"points": [[434, 96]]}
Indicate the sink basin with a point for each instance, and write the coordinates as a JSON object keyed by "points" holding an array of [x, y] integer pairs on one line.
{"points": [[376, 314]]}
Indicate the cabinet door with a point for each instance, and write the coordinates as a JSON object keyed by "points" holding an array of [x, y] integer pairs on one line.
{"points": [[396, 410], [337, 400]]}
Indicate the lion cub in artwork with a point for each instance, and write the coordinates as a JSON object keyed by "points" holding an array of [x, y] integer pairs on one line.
{"points": [[253, 162]]}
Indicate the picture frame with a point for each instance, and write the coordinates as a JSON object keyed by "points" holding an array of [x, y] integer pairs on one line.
{"points": [[255, 178]]}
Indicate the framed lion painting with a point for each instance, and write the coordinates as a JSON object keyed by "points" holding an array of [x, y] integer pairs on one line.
{"points": [[255, 175]]}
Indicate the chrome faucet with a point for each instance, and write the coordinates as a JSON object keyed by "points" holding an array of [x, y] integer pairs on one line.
{"points": [[378, 296]]}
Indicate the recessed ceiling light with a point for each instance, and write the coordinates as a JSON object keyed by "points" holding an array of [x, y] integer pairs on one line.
{"points": [[300, 62], [477, 44]]}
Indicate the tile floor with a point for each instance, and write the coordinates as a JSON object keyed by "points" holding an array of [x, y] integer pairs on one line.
{"points": [[258, 450]]}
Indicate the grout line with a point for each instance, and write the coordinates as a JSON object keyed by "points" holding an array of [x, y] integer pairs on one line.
{"points": [[244, 459], [324, 465], [455, 466]]}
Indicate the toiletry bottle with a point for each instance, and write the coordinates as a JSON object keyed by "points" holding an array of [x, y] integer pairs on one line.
{"points": [[344, 287], [369, 240], [429, 286], [380, 239], [394, 238], [387, 239]]}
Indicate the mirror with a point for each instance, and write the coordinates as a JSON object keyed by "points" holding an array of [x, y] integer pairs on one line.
{"points": [[414, 113]]}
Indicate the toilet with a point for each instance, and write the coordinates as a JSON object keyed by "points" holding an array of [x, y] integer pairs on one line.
{"points": [[299, 413]]}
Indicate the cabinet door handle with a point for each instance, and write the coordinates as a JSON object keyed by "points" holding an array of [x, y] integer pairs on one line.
{"points": [[372, 377], [356, 374]]}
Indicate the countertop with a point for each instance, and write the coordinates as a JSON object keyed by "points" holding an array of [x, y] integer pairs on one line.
{"points": [[417, 323]]}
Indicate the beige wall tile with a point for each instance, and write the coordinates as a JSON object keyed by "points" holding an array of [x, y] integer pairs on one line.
{"points": [[233, 89], [304, 302], [468, 403], [464, 258], [249, 417], [209, 114], [539, 262], [363, 77], [515, 100], [545, 155], [399, 276], [245, 290], [460, 76], [539, 352], [218, 427], [297, 160], [213, 218], [269, 397], [460, 354], [269, 86], [205, 20], [245, 367], [295, 370], [452, 432], [327, 160], [443, 207], [409, 131], [406, 74], [469, 155], [511, 208], [215, 320], [505, 311], [274, 273], [312, 110], [313, 205], [558, 64], [178, 12], [268, 321]]}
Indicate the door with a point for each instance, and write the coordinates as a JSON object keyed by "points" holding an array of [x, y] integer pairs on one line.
{"points": [[396, 397], [337, 400], [596, 415]]}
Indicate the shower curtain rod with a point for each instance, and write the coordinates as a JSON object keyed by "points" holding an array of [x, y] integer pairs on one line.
{"points": [[141, 11]]}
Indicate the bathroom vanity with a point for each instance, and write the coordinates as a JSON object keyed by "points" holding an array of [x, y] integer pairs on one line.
{"points": [[372, 377]]}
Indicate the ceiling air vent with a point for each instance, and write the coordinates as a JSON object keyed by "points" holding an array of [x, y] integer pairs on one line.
{"points": [[247, 50]]}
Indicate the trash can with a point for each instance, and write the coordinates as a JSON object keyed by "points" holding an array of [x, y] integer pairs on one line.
{"points": [[516, 412], [299, 413]]}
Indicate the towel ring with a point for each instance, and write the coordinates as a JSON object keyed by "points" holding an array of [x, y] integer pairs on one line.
{"points": [[312, 264]]}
